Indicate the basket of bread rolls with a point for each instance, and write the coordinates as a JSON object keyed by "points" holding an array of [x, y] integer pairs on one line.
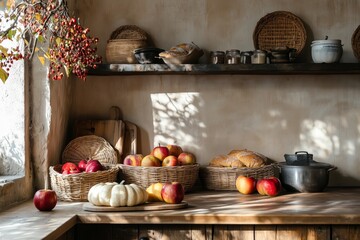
{"points": [[222, 171], [184, 53]]}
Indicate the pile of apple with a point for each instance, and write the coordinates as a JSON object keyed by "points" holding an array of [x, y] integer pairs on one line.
{"points": [[270, 186], [170, 155], [172, 193], [83, 166]]}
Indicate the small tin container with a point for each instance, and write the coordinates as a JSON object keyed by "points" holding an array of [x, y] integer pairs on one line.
{"points": [[217, 57], [232, 56], [245, 57], [259, 57]]}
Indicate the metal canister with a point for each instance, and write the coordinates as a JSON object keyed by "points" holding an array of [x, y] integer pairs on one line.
{"points": [[232, 56], [245, 57], [217, 57], [259, 57]]}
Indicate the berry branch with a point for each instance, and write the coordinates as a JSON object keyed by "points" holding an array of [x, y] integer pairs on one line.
{"points": [[68, 46]]}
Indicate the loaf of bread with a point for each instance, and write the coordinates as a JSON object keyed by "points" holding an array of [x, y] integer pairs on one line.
{"points": [[240, 158], [226, 161], [182, 49]]}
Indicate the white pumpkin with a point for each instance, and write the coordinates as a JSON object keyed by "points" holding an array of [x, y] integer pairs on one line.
{"points": [[117, 195]]}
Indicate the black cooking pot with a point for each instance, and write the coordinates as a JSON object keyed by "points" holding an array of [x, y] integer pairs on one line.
{"points": [[148, 55], [311, 178], [300, 158]]}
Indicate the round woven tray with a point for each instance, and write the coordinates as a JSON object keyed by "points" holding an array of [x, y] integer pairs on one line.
{"points": [[89, 147], [145, 176], [75, 187], [129, 32], [280, 29], [355, 43], [222, 178]]}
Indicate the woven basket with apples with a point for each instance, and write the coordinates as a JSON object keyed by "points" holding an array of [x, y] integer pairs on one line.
{"points": [[86, 161], [164, 164]]}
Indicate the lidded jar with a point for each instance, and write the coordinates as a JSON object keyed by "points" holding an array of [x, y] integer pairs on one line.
{"points": [[326, 51], [259, 57], [232, 56], [217, 57]]}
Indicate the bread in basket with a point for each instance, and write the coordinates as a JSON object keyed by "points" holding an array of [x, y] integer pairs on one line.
{"points": [[223, 170]]}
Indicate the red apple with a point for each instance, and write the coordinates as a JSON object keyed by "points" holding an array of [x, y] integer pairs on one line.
{"points": [[269, 186], [45, 199], [150, 161], [245, 185], [186, 158], [93, 166], [69, 168], [160, 152], [133, 159], [82, 165], [172, 192], [170, 161], [174, 150]]}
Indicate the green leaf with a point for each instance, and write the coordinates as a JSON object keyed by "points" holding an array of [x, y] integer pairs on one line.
{"points": [[41, 39], [11, 33], [42, 60], [67, 70], [4, 50], [58, 41], [3, 75]]}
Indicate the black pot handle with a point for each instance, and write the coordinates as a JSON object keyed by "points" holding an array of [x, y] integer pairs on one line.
{"points": [[296, 153]]}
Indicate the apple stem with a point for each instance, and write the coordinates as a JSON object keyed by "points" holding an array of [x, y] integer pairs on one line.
{"points": [[46, 175]]}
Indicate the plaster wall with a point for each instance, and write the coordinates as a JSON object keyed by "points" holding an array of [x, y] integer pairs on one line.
{"points": [[211, 115]]}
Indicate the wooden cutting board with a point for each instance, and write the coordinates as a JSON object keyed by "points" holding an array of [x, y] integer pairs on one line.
{"points": [[112, 131], [153, 206], [122, 135]]}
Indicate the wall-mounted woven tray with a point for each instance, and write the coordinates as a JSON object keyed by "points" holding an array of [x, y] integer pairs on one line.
{"points": [[280, 29], [129, 32], [89, 147], [355, 43]]}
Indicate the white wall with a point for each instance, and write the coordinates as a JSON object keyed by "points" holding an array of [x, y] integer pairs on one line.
{"points": [[210, 115]]}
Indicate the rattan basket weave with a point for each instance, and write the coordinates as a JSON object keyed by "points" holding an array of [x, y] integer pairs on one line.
{"points": [[129, 32], [145, 176], [222, 178], [280, 29], [89, 147], [75, 187], [355, 43]]}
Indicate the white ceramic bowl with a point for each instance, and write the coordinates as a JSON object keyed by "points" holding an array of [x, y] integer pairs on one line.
{"points": [[326, 51]]}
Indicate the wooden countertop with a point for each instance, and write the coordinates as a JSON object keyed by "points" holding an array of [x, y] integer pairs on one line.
{"points": [[334, 206]]}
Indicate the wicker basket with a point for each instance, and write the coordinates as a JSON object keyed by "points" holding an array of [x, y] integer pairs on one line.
{"points": [[89, 147], [129, 32], [355, 43], [145, 176], [122, 50], [280, 29], [75, 187], [221, 178]]}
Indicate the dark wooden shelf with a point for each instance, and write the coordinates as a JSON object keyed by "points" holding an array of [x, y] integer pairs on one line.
{"points": [[249, 69]]}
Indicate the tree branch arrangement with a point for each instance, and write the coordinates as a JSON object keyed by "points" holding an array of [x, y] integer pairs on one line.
{"points": [[48, 32]]}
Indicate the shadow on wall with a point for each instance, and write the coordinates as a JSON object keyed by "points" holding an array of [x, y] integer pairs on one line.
{"points": [[331, 133], [173, 115]]}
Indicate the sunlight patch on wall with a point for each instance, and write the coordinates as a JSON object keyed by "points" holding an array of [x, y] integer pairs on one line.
{"points": [[175, 116]]}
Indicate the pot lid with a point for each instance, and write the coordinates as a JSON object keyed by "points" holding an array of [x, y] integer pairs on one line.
{"points": [[312, 164], [327, 41]]}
